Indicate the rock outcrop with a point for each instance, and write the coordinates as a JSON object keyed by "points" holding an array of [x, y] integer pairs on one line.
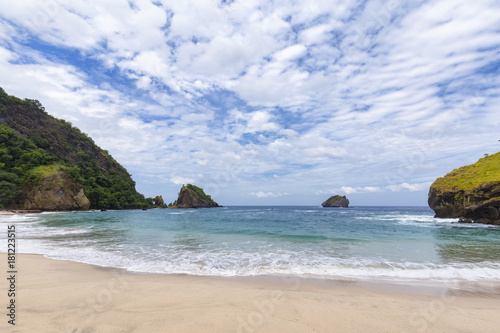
{"points": [[336, 201], [51, 188], [159, 200], [471, 193], [192, 196]]}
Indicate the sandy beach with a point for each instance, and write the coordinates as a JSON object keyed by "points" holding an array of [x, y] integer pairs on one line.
{"points": [[18, 212], [63, 296]]}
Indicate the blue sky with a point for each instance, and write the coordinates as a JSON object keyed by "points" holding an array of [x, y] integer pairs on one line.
{"points": [[267, 102]]}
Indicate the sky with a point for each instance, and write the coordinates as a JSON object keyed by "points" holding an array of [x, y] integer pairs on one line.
{"points": [[267, 102]]}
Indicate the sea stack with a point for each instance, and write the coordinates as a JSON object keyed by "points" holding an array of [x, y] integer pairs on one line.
{"points": [[471, 193], [336, 201], [191, 196], [159, 200]]}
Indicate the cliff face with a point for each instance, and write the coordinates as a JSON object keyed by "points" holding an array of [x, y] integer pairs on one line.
{"points": [[51, 188], [471, 193], [336, 201], [192, 196]]}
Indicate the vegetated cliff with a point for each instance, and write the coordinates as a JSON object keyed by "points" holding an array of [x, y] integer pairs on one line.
{"points": [[336, 201], [30, 138], [51, 187], [471, 193], [192, 196]]}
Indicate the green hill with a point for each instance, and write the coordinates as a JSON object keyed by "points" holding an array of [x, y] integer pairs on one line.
{"points": [[471, 192], [466, 178], [30, 138]]}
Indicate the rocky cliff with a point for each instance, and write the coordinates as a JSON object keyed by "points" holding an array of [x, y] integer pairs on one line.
{"points": [[52, 188], [336, 201], [471, 193], [192, 196]]}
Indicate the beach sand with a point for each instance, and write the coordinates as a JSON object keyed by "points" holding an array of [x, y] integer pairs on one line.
{"points": [[18, 212], [63, 296]]}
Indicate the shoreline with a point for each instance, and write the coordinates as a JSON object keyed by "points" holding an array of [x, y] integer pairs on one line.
{"points": [[479, 289], [18, 212], [407, 287], [66, 296]]}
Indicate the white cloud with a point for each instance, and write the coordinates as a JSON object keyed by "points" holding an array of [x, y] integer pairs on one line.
{"points": [[181, 180], [261, 121], [261, 194], [409, 187], [316, 34], [365, 189], [291, 53], [348, 190]]}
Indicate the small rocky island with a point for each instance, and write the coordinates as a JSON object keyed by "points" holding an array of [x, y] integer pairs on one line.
{"points": [[192, 196], [471, 193], [336, 201]]}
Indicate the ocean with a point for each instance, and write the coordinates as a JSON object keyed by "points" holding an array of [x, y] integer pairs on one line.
{"points": [[398, 244]]}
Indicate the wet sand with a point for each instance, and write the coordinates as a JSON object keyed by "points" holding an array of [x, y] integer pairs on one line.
{"points": [[64, 296]]}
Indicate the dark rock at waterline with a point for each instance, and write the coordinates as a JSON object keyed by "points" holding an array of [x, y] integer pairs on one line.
{"points": [[336, 201]]}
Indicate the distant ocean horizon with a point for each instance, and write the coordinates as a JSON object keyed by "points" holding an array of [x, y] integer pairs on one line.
{"points": [[396, 243]]}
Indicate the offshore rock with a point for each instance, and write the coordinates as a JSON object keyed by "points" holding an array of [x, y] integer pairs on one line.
{"points": [[336, 201], [159, 200], [192, 196], [471, 193]]}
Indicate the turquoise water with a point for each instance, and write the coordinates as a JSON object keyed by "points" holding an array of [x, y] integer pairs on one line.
{"points": [[388, 243]]}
